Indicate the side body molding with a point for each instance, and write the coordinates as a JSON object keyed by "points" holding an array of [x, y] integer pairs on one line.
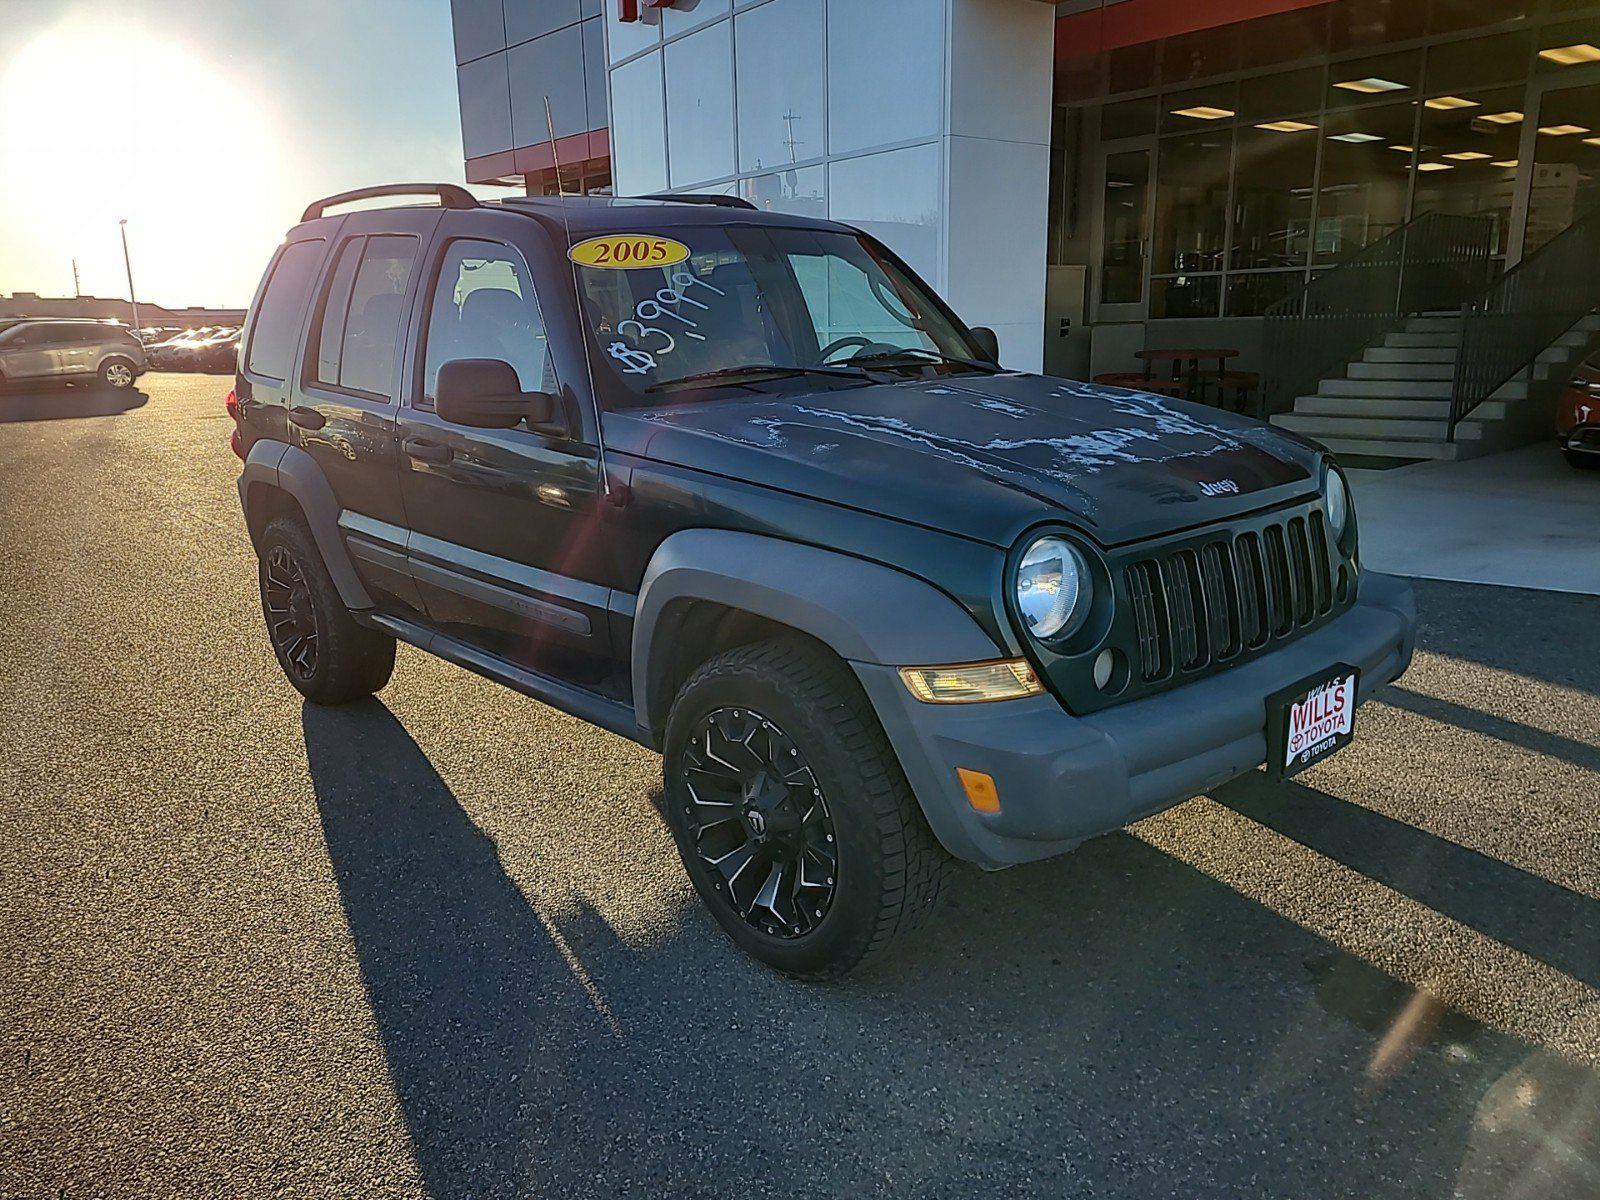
{"points": [[864, 611], [294, 471]]}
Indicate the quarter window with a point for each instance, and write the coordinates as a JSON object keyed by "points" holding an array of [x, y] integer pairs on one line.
{"points": [[484, 307], [272, 342]]}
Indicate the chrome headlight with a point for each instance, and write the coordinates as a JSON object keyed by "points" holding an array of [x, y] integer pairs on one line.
{"points": [[1052, 587], [1336, 499]]}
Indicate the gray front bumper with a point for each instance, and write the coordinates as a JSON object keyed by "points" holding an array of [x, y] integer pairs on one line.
{"points": [[1063, 779]]}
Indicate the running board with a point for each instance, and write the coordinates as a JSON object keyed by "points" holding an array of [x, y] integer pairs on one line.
{"points": [[611, 715]]}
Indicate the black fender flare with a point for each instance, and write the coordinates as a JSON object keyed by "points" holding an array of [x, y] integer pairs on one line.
{"points": [[292, 470], [864, 611]]}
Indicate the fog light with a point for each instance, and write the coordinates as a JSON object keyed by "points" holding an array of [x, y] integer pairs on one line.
{"points": [[980, 789], [973, 683], [1104, 667]]}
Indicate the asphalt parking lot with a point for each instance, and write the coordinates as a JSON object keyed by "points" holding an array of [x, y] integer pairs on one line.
{"points": [[439, 942]]}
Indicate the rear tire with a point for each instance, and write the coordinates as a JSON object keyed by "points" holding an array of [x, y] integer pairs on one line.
{"points": [[1583, 462], [841, 863], [118, 374], [328, 657]]}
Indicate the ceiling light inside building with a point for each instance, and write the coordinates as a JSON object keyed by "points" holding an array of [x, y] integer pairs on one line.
{"points": [[1509, 164], [1286, 126], [1355, 137], [1434, 167], [1568, 56], [1404, 149], [1468, 156], [1446, 103], [1203, 112], [1371, 85], [1503, 118], [1563, 130]]}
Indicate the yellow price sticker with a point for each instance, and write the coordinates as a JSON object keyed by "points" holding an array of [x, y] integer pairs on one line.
{"points": [[628, 251]]}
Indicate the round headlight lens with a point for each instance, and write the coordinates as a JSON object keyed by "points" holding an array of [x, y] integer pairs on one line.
{"points": [[1052, 586], [1338, 504]]}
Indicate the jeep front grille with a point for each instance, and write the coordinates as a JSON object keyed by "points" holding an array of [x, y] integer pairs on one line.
{"points": [[1206, 603]]}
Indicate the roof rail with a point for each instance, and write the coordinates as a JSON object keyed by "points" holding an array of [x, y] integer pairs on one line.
{"points": [[450, 196], [701, 198]]}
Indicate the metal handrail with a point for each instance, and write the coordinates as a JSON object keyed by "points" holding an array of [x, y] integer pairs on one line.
{"points": [[1518, 316], [1434, 261]]}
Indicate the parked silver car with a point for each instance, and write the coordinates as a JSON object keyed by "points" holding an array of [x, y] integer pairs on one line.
{"points": [[66, 350]]}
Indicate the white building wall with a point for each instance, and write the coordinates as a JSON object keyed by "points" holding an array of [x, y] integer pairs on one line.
{"points": [[925, 122]]}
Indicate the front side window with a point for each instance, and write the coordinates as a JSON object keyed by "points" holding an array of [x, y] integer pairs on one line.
{"points": [[272, 341], [484, 307], [750, 297]]}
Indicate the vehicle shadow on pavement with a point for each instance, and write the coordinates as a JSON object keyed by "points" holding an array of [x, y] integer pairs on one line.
{"points": [[62, 403], [482, 1008], [1542, 919]]}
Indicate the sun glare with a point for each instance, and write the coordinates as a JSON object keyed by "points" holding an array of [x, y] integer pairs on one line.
{"points": [[106, 121]]}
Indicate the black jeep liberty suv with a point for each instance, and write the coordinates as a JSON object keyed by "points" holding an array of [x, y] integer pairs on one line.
{"points": [[740, 487]]}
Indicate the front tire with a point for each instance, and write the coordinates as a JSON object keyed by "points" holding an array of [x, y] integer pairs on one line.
{"points": [[328, 657], [791, 813], [1580, 460], [117, 374]]}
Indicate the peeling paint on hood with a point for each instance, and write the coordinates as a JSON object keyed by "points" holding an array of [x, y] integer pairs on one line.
{"points": [[986, 455]]}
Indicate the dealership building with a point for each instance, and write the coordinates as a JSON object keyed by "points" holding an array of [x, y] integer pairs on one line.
{"points": [[1096, 178]]}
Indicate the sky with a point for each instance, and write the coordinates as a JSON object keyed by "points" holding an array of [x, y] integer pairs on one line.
{"points": [[209, 127]]}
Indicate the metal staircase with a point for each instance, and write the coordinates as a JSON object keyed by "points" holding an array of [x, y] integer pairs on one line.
{"points": [[1394, 402], [1448, 364]]}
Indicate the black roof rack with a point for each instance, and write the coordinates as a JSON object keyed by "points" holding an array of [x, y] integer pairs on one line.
{"points": [[450, 196], [701, 198]]}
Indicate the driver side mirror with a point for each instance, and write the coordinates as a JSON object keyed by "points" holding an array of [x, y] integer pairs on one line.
{"points": [[485, 393], [987, 341]]}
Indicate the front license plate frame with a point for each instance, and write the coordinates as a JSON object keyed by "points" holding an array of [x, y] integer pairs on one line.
{"points": [[1306, 725]]}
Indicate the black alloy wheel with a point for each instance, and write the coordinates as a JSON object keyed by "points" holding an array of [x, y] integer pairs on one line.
{"points": [[759, 822], [291, 612]]}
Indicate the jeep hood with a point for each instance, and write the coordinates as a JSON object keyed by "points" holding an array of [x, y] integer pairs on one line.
{"points": [[986, 456]]}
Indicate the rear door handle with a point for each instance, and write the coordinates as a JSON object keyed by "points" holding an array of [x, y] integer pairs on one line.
{"points": [[307, 418], [426, 450]]}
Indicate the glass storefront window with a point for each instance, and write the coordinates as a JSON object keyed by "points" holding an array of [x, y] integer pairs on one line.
{"points": [[1467, 164], [1192, 202], [1479, 62], [1286, 94], [700, 105], [1566, 162], [638, 133], [1356, 23], [1130, 118], [1364, 195], [1273, 195], [1127, 198], [881, 87], [780, 74], [1194, 108], [1252, 293], [1360, 81], [802, 192], [1186, 296], [894, 196]]}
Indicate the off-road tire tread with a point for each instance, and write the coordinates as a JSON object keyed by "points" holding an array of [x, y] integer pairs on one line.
{"points": [[353, 661], [916, 868]]}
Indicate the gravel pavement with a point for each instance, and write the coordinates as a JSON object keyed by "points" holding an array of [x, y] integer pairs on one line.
{"points": [[439, 942]]}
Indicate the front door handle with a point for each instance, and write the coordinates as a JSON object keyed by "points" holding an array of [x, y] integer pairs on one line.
{"points": [[426, 450], [307, 418]]}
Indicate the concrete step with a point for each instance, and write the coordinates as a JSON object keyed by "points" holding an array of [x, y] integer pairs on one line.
{"points": [[1376, 428], [1437, 324], [1410, 389], [1402, 370], [1439, 341], [1349, 447], [1420, 410], [1410, 354]]}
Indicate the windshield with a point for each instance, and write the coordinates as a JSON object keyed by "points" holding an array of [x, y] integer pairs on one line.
{"points": [[758, 301]]}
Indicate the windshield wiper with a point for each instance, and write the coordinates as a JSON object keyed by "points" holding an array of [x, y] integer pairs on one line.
{"points": [[755, 373], [916, 356]]}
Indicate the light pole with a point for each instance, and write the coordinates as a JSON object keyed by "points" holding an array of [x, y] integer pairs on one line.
{"points": [[128, 263]]}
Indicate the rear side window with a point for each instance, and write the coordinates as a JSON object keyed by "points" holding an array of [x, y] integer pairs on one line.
{"points": [[484, 307], [363, 313], [282, 308]]}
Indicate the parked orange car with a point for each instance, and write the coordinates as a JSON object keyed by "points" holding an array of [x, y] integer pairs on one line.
{"points": [[1578, 416]]}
